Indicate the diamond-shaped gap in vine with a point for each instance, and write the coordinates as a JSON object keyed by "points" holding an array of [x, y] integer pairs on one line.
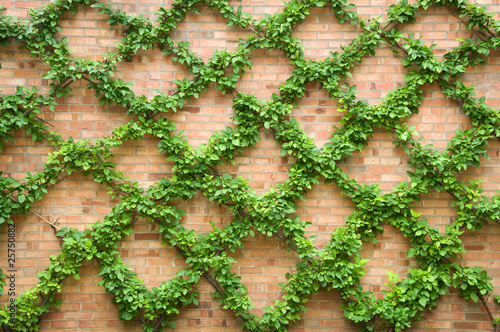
{"points": [[438, 118], [88, 32], [142, 162], [107, 272], [80, 116], [151, 72], [437, 208], [155, 262], [259, 8], [207, 32], [388, 254], [19, 68], [436, 25], [324, 312], [380, 162], [321, 33], [85, 304], [83, 200], [152, 261], [270, 68], [200, 117], [262, 263], [209, 313], [201, 213], [261, 164], [376, 75], [326, 209], [317, 113]]}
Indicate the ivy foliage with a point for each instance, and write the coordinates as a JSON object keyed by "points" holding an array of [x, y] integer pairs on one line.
{"points": [[338, 265]]}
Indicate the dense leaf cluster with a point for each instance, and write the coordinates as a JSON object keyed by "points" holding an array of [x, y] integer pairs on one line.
{"points": [[338, 265]]}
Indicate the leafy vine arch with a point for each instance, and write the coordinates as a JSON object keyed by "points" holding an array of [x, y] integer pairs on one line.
{"points": [[338, 265]]}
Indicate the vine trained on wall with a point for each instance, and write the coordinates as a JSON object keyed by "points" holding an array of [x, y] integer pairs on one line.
{"points": [[338, 265]]}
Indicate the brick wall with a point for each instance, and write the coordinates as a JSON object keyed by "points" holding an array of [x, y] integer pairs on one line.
{"points": [[78, 201]]}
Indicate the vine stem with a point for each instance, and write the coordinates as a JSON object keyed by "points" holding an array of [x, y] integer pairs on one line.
{"points": [[52, 224], [115, 188], [41, 217], [386, 27], [219, 289], [89, 80], [211, 280], [161, 318], [142, 319], [205, 273], [481, 297]]}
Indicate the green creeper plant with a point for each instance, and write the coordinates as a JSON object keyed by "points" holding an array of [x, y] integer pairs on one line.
{"points": [[336, 267]]}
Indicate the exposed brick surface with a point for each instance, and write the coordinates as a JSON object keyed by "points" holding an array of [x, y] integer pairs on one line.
{"points": [[77, 201]]}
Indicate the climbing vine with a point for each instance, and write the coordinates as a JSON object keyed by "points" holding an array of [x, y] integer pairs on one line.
{"points": [[338, 265]]}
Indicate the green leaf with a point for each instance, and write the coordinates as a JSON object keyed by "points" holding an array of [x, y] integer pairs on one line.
{"points": [[21, 199], [410, 252]]}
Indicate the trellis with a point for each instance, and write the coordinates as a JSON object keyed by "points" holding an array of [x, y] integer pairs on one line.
{"points": [[337, 266]]}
